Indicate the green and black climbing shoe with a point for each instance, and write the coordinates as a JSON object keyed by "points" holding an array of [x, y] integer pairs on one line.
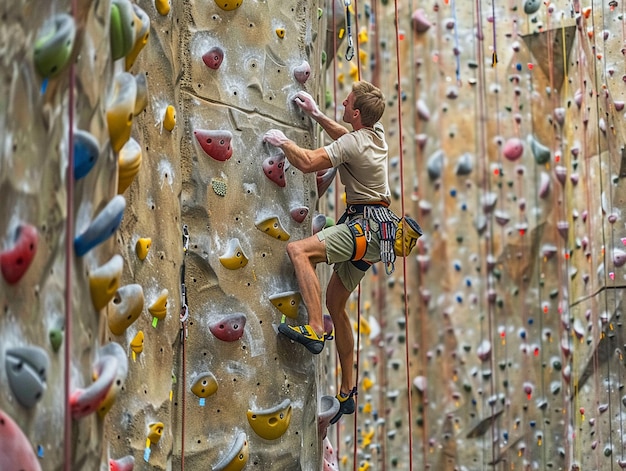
{"points": [[346, 405], [305, 335]]}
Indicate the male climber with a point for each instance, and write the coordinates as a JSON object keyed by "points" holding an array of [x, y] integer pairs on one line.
{"points": [[361, 159]]}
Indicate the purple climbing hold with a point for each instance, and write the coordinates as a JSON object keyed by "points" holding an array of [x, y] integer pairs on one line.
{"points": [[513, 149], [215, 143], [229, 328], [302, 72], [559, 115], [561, 174], [619, 257], [16, 260], [563, 228], [213, 58], [274, 169], [299, 213], [420, 22], [318, 223]]}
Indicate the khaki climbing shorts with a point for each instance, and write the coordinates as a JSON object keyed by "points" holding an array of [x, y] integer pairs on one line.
{"points": [[339, 249]]}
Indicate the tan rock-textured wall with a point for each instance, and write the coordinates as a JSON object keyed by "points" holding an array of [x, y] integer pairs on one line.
{"points": [[512, 328]]}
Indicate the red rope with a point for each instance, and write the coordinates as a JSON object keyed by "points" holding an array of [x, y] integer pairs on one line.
{"points": [[356, 382], [404, 271], [69, 230]]}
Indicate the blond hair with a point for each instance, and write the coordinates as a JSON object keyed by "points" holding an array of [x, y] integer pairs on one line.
{"points": [[370, 101]]}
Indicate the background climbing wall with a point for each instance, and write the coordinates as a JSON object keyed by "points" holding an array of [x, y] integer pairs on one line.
{"points": [[508, 149], [512, 145]]}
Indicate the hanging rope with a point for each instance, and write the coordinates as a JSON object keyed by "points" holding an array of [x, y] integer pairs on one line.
{"points": [[184, 333], [404, 264], [356, 396], [605, 259], [69, 230]]}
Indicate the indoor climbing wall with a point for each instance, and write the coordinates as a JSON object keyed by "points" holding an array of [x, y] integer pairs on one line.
{"points": [[511, 142], [498, 344], [178, 217]]}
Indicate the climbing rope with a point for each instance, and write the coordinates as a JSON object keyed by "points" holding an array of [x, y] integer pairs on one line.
{"points": [[605, 259], [404, 264], [184, 333], [482, 131], [69, 230]]}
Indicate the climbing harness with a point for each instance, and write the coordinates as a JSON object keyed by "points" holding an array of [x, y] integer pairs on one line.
{"points": [[350, 50], [397, 236]]}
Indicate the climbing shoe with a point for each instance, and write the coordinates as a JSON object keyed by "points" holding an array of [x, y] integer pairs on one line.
{"points": [[305, 335], [346, 405]]}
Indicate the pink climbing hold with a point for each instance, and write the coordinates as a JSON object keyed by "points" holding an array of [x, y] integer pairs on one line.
{"points": [[123, 464], [300, 213], [229, 328], [16, 451], [323, 179], [15, 261], [513, 149], [274, 169], [213, 58], [302, 72], [215, 143], [420, 22]]}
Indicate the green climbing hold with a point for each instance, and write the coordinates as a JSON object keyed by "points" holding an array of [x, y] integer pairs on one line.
{"points": [[122, 28], [54, 44], [541, 152], [56, 339]]}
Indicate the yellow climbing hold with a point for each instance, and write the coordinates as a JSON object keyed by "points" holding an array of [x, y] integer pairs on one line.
{"points": [[234, 258], [237, 457], [363, 56], [280, 32], [142, 247], [228, 5], [125, 308], [271, 423], [121, 109], [367, 408], [354, 71], [163, 6], [287, 303], [273, 227], [129, 162], [136, 344], [367, 383], [142, 33], [205, 385], [169, 120], [158, 308], [104, 281], [363, 37], [155, 431]]}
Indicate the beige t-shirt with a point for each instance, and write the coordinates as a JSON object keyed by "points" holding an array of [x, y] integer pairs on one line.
{"points": [[361, 158]]}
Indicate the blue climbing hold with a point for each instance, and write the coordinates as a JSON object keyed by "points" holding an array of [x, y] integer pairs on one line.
{"points": [[102, 227], [86, 152]]}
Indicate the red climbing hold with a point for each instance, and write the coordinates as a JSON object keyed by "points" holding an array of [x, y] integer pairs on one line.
{"points": [[213, 58], [215, 143], [299, 213], [274, 168], [16, 452], [15, 261], [513, 149], [229, 328]]}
